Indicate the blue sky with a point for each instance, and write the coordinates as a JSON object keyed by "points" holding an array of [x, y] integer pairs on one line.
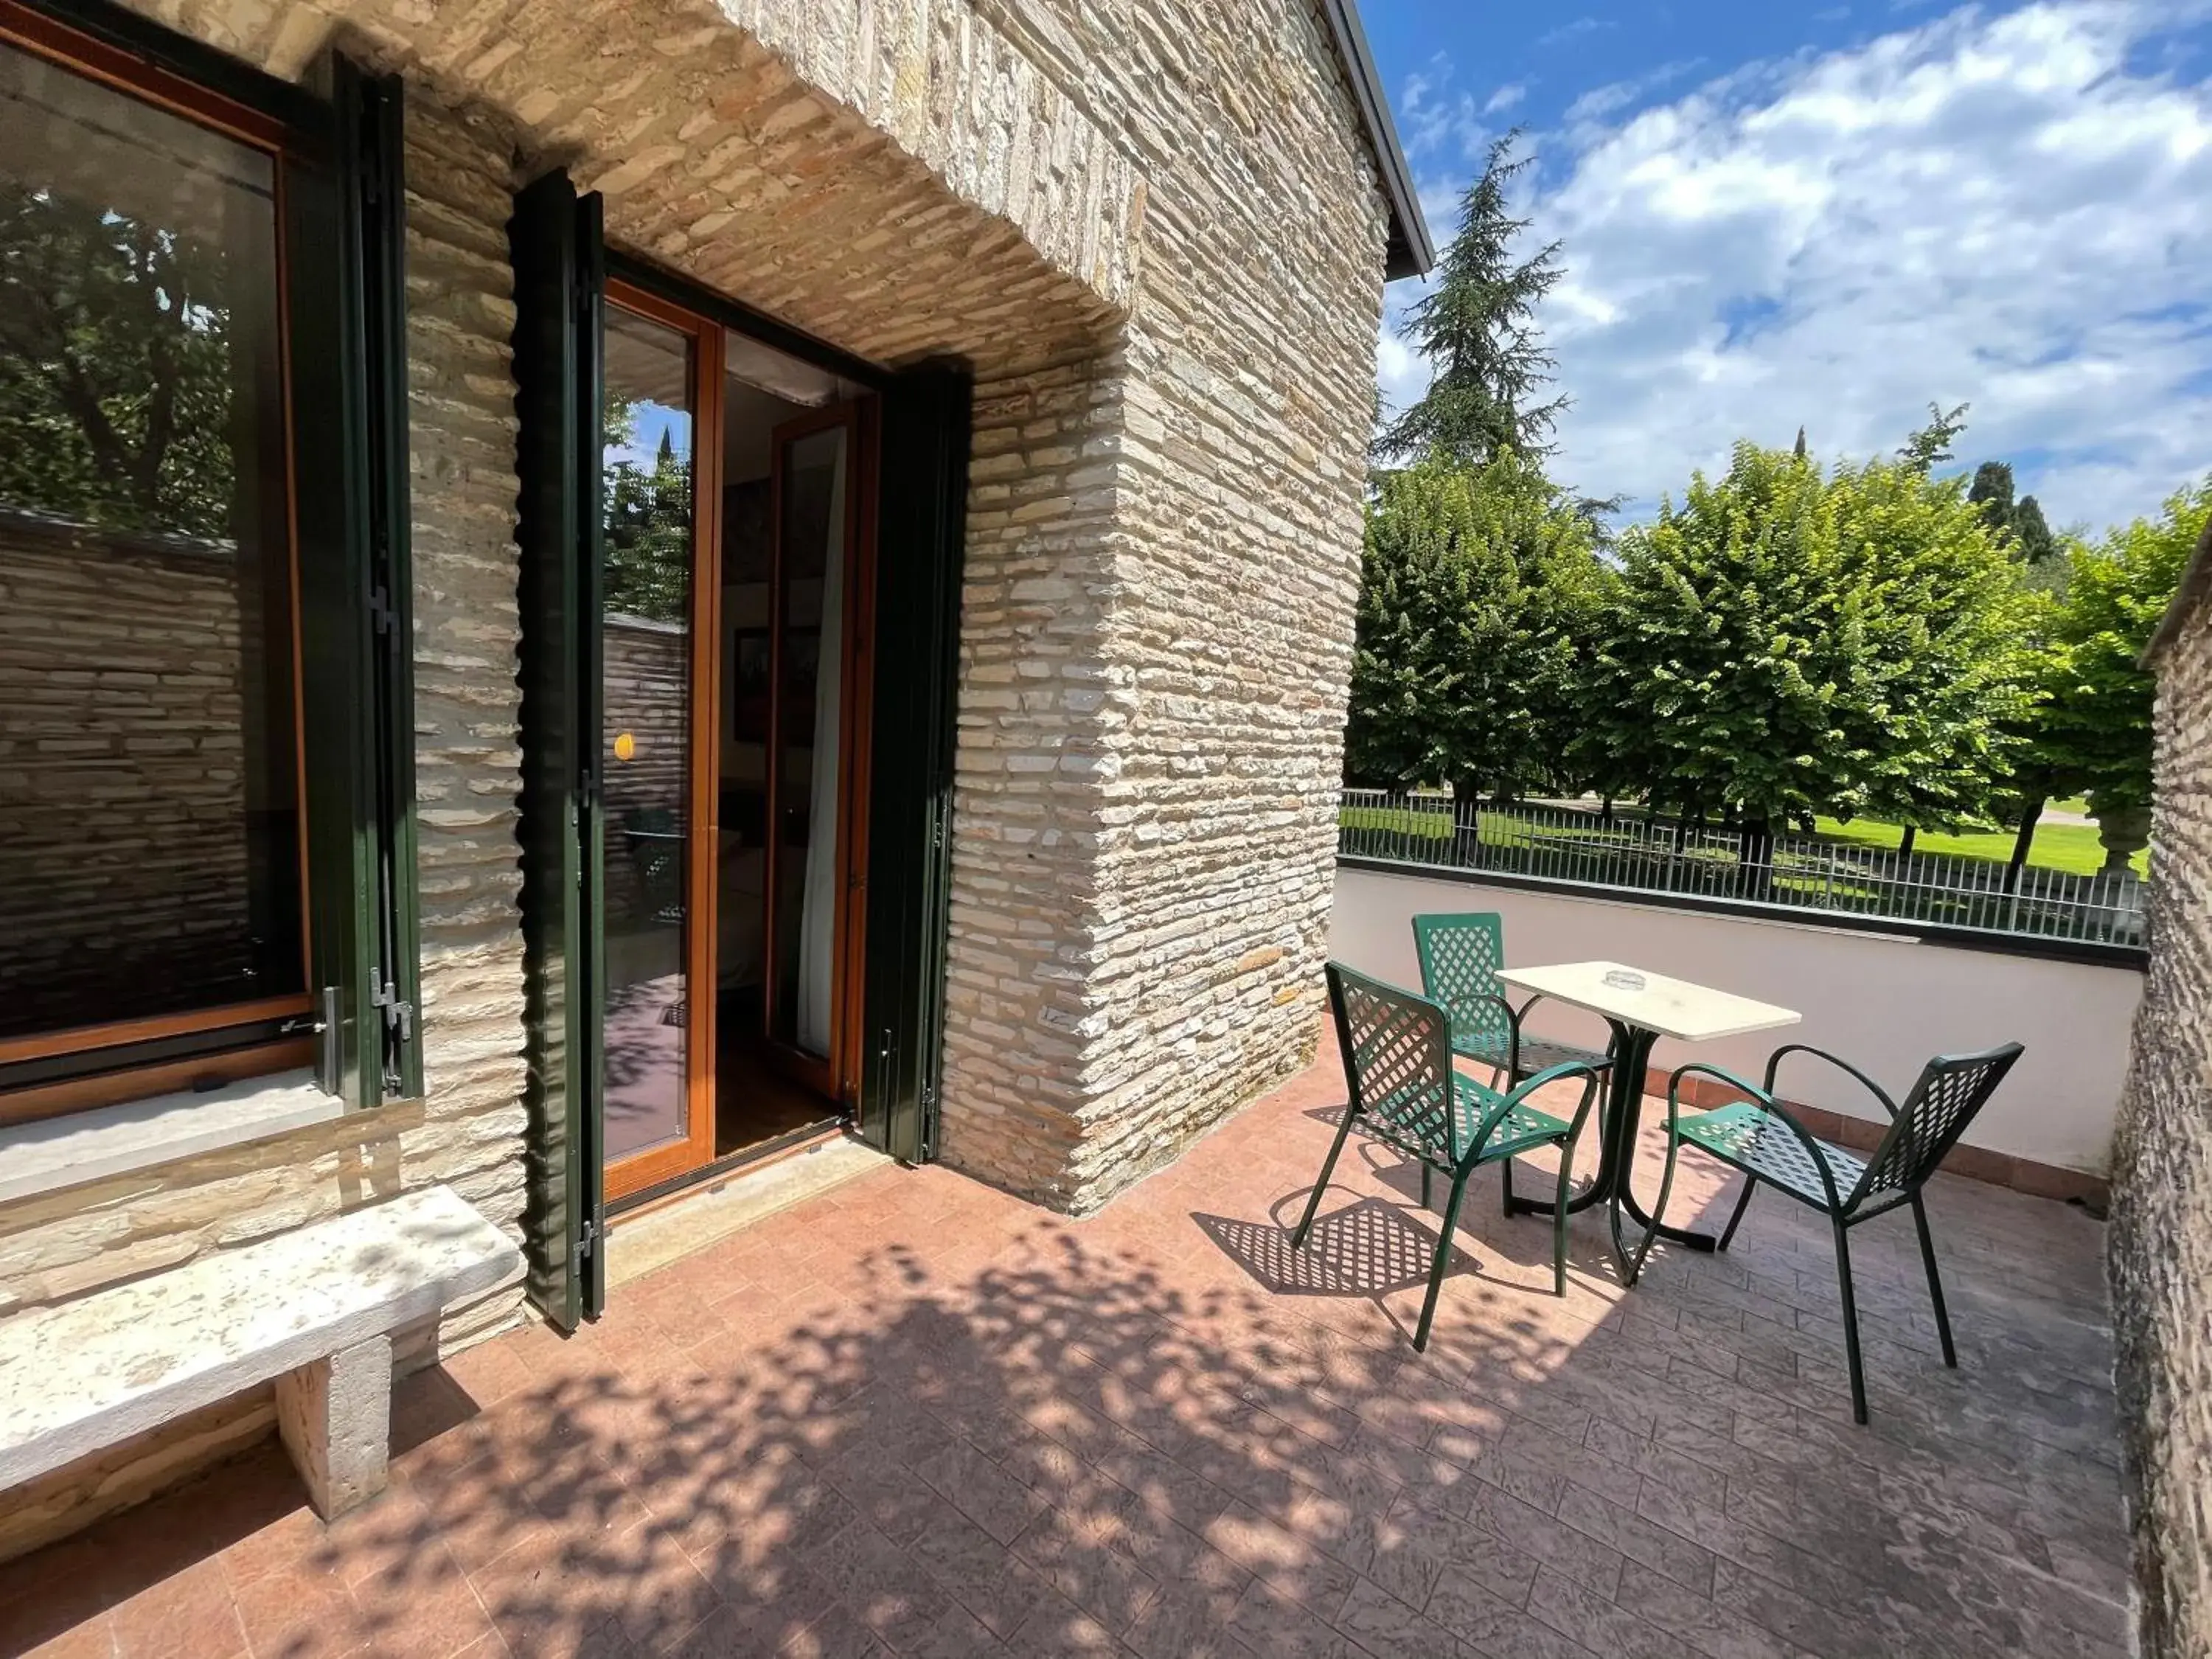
{"points": [[1834, 215]]}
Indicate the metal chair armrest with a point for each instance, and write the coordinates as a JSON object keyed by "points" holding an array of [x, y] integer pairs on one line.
{"points": [[1766, 1100], [1774, 1062], [1565, 1068]]}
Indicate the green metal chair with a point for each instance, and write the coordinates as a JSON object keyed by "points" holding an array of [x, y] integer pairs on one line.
{"points": [[1403, 1089], [1758, 1136], [1460, 956]]}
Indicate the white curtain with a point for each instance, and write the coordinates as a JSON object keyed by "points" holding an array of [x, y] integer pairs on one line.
{"points": [[818, 918]]}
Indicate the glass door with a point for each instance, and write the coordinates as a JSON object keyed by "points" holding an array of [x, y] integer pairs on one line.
{"points": [[818, 651], [657, 664]]}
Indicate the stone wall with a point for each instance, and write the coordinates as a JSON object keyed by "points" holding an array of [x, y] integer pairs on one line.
{"points": [[1163, 561], [468, 1130], [2160, 1245]]}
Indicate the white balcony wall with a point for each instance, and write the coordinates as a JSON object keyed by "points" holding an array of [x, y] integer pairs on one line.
{"points": [[1884, 1003]]}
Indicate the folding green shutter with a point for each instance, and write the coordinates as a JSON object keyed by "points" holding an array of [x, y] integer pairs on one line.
{"points": [[924, 498], [370, 111], [559, 270], [329, 466]]}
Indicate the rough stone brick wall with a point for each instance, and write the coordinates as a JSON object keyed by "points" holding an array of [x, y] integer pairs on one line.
{"points": [[2160, 1251], [468, 1131], [123, 784], [1163, 561]]}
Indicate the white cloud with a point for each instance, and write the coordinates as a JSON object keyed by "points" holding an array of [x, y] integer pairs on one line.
{"points": [[1438, 121], [2013, 211]]}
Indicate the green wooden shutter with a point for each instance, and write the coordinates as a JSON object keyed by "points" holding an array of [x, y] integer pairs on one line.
{"points": [[924, 498], [560, 280], [344, 303], [370, 111]]}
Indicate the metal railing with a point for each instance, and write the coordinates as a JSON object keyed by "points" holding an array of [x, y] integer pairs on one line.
{"points": [[1638, 853]]}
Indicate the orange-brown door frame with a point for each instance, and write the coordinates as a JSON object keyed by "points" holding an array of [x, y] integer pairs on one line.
{"points": [[838, 1074], [702, 813]]}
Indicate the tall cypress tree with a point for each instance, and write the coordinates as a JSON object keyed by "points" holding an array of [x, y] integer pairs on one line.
{"points": [[1476, 328]]}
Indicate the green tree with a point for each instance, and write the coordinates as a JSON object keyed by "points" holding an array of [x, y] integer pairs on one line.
{"points": [[1480, 588], [1930, 446], [1476, 328], [1786, 644], [647, 530], [2096, 732], [2021, 519], [115, 368], [1950, 665]]}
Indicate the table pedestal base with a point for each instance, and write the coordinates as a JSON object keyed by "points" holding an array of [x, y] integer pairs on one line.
{"points": [[1623, 1109]]}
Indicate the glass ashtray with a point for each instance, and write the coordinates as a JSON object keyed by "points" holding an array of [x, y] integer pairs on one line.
{"points": [[1624, 979]]}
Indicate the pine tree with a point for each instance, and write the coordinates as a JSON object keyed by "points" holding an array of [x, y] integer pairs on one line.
{"points": [[2038, 544], [1476, 329], [1991, 491], [2021, 519]]}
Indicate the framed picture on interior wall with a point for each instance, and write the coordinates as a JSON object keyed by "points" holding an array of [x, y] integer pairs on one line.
{"points": [[745, 718]]}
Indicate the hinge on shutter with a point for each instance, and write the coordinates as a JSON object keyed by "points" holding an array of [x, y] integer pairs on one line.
{"points": [[398, 1016], [586, 1245], [928, 1122], [380, 609]]}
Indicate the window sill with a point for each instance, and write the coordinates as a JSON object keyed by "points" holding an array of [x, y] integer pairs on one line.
{"points": [[51, 1153]]}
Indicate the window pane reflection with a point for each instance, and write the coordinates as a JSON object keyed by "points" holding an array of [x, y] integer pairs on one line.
{"points": [[149, 759]]}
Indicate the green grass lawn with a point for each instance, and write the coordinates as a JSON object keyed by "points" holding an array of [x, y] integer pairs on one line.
{"points": [[2071, 847], [2057, 846], [1433, 826]]}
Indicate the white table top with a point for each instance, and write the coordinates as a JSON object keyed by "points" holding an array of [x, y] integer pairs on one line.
{"points": [[1672, 1007]]}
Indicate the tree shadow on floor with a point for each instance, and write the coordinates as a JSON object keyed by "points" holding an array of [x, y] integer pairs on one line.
{"points": [[1102, 1437]]}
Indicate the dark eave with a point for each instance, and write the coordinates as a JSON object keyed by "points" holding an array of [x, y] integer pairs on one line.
{"points": [[1409, 252]]}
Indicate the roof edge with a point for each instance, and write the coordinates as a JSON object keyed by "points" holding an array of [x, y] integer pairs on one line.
{"points": [[1409, 252]]}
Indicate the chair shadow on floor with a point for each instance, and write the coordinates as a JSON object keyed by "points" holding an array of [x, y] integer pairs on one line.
{"points": [[1525, 1242], [1369, 1250]]}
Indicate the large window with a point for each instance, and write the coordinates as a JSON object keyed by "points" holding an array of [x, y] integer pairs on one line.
{"points": [[155, 875]]}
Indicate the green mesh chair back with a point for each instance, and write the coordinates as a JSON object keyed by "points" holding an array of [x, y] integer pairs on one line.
{"points": [[1397, 1050], [1404, 1091], [1460, 956], [1760, 1136], [1950, 1090]]}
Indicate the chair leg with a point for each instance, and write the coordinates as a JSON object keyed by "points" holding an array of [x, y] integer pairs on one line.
{"points": [[1934, 1283], [1327, 1168], [1506, 1169], [1444, 1257], [1559, 1219], [1851, 1320], [1728, 1233], [1425, 1173]]}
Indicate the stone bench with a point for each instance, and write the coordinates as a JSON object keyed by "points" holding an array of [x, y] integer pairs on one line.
{"points": [[315, 1310]]}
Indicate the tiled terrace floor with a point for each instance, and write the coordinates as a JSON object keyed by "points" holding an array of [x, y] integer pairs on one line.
{"points": [[917, 1417]]}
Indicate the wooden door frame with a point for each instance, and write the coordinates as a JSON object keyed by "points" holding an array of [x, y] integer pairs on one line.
{"points": [[703, 834], [836, 1075]]}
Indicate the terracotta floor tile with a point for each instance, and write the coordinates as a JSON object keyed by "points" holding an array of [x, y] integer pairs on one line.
{"points": [[188, 1615], [917, 1417]]}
